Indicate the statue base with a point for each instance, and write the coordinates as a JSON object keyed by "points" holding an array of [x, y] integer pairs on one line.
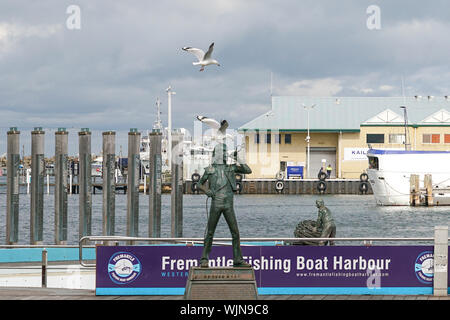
{"points": [[221, 284]]}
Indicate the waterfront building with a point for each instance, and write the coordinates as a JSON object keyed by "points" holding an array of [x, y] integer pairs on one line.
{"points": [[341, 131]]}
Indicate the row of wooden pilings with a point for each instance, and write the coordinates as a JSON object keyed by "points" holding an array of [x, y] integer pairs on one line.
{"points": [[85, 185]]}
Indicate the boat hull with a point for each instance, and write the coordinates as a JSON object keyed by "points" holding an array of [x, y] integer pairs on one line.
{"points": [[390, 179]]}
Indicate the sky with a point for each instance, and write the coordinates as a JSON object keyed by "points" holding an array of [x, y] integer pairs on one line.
{"points": [[102, 64]]}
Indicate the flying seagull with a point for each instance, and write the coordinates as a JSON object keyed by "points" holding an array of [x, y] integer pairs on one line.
{"points": [[204, 59], [221, 127]]}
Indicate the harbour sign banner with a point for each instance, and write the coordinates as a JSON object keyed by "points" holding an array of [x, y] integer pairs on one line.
{"points": [[163, 269]]}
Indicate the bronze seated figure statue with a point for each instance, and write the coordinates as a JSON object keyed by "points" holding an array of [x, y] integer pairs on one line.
{"points": [[324, 227]]}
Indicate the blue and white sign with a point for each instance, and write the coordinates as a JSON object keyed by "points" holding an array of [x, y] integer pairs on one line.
{"points": [[123, 267], [424, 267], [295, 172]]}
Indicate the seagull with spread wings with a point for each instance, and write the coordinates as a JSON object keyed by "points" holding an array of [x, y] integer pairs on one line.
{"points": [[221, 127], [204, 59], [221, 134]]}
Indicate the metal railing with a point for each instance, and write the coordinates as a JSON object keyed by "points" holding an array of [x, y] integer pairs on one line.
{"points": [[223, 241]]}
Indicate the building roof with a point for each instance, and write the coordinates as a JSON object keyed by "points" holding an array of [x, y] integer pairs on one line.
{"points": [[334, 114]]}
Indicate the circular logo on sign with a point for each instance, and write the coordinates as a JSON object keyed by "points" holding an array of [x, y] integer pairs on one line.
{"points": [[123, 267], [424, 267]]}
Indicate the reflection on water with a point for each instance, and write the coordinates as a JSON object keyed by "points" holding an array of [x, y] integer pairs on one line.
{"points": [[258, 216]]}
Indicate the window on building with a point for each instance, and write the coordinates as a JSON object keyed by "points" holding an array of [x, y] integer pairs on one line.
{"points": [[397, 138], [435, 138], [446, 138], [287, 138], [268, 138], [257, 138], [431, 138], [375, 138]]}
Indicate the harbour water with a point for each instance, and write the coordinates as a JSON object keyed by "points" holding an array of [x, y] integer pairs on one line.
{"points": [[258, 216], [270, 215]]}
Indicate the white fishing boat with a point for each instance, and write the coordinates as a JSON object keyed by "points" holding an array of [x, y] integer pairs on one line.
{"points": [[389, 174], [144, 153], [96, 167]]}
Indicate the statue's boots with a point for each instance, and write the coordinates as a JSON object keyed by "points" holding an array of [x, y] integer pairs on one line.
{"points": [[204, 263]]}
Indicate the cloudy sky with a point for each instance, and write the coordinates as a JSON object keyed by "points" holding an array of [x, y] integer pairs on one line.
{"points": [[106, 72]]}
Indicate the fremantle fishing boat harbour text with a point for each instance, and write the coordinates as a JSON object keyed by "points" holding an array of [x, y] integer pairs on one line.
{"points": [[285, 265]]}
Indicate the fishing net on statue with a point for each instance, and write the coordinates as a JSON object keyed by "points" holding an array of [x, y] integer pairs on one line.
{"points": [[306, 229]]}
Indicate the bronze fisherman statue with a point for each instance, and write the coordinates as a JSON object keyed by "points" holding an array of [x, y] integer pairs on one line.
{"points": [[325, 223], [222, 184]]}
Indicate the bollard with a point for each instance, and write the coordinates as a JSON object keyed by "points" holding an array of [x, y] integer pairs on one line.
{"points": [[85, 182], [177, 186], [61, 151], [12, 180], [154, 227], [37, 186], [44, 268], [134, 139], [109, 188], [440, 277]]}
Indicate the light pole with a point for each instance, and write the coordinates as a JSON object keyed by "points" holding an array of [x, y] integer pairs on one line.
{"points": [[308, 138], [169, 136]]}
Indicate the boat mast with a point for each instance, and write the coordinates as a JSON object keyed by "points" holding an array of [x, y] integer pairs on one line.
{"points": [[405, 116]]}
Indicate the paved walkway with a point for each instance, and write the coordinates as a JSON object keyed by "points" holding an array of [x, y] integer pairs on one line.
{"points": [[10, 293]]}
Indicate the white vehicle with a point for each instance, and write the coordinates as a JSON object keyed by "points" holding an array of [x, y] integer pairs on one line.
{"points": [[390, 170]]}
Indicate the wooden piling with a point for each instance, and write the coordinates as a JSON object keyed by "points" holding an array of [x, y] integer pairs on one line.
{"points": [[109, 185], [61, 154], [12, 181], [414, 198], [85, 183], [428, 184], [155, 185], [177, 186], [37, 186], [134, 138]]}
